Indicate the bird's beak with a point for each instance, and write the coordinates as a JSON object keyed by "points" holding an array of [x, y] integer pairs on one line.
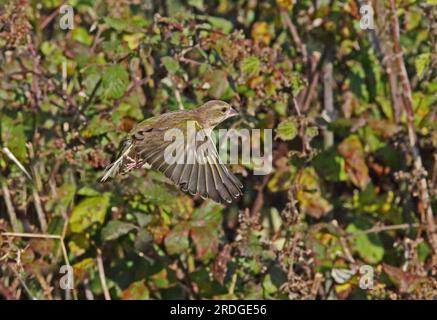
{"points": [[232, 113]]}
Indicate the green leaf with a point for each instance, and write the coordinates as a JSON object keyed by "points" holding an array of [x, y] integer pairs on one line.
{"points": [[78, 244], [368, 245], [91, 79], [115, 229], [131, 110], [421, 62], [136, 291], [171, 64], [219, 83], [220, 23], [13, 137], [80, 35], [89, 211], [177, 240], [210, 212], [64, 197], [423, 251], [158, 194], [143, 219], [287, 129], [198, 4], [205, 230], [115, 81], [207, 288], [47, 48], [311, 132], [297, 83], [330, 165], [268, 285], [98, 125], [250, 66], [116, 23], [143, 240], [88, 191]]}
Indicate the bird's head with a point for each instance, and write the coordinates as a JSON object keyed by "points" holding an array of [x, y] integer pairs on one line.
{"points": [[214, 112]]}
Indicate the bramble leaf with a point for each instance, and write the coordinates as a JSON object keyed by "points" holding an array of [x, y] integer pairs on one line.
{"points": [[115, 81], [115, 229], [287, 129], [87, 212]]}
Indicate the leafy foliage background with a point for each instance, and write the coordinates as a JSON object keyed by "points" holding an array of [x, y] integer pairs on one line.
{"points": [[344, 192]]}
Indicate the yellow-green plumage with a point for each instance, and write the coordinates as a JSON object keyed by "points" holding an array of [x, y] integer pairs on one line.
{"points": [[146, 144]]}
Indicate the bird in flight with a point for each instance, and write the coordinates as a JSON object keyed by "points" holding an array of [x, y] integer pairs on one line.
{"points": [[188, 158]]}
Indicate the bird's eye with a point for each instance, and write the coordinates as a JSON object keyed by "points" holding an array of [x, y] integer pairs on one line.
{"points": [[224, 109]]}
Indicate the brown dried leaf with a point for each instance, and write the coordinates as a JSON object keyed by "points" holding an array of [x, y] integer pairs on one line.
{"points": [[353, 152]]}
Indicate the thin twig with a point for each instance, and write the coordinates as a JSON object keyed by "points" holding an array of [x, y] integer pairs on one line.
{"points": [[378, 229], [64, 79], [178, 98], [64, 229], [328, 101], [316, 285], [295, 35], [9, 206], [314, 73], [296, 106], [91, 97], [233, 283], [38, 207], [394, 227], [387, 61], [44, 236], [31, 235], [425, 208], [88, 293], [35, 189], [259, 200], [181, 55], [96, 38], [26, 288], [49, 18], [37, 185], [102, 275], [311, 62], [36, 89], [346, 251]]}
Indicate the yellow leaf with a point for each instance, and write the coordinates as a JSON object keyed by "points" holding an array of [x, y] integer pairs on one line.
{"points": [[285, 4], [260, 32], [133, 40], [309, 194]]}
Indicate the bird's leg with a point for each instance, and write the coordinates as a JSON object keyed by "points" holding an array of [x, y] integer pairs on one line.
{"points": [[132, 160], [139, 164], [131, 164], [134, 163]]}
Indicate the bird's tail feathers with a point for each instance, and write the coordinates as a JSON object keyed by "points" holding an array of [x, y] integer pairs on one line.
{"points": [[114, 168]]}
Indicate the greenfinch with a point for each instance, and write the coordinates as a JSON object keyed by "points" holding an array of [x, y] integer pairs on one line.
{"points": [[197, 167]]}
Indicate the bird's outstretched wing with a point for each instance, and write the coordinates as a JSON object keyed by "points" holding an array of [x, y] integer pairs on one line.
{"points": [[192, 163]]}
